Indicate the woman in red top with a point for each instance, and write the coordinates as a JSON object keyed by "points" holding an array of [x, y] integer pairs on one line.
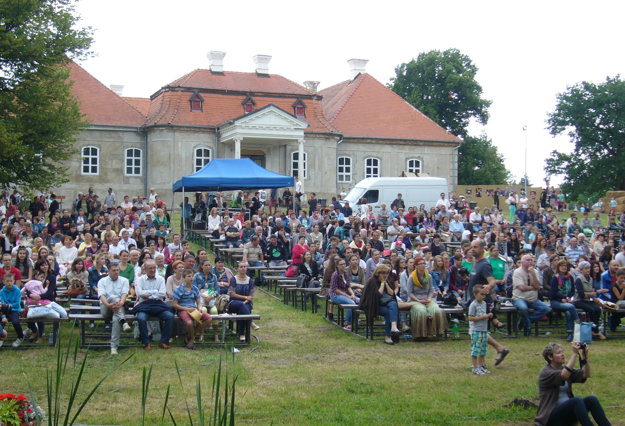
{"points": [[299, 250]]}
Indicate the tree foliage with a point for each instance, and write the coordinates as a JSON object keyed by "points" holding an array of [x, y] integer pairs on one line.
{"points": [[480, 163], [593, 116], [39, 116], [442, 85]]}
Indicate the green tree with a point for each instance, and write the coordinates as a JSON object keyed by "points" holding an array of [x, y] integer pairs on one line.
{"points": [[593, 116], [39, 116], [480, 163], [442, 85]]}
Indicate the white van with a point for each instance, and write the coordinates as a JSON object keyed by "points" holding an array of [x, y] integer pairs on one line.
{"points": [[415, 191]]}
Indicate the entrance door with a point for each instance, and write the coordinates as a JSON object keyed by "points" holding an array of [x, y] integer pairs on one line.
{"points": [[256, 156]]}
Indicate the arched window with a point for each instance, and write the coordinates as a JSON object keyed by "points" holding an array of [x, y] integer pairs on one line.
{"points": [[202, 157], [133, 162], [248, 105], [344, 169], [196, 102], [372, 167], [413, 165], [299, 109], [295, 165], [90, 156]]}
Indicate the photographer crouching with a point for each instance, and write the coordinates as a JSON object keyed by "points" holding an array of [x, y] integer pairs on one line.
{"points": [[557, 404]]}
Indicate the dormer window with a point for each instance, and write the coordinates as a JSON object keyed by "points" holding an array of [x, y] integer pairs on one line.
{"points": [[248, 105], [299, 109], [196, 102]]}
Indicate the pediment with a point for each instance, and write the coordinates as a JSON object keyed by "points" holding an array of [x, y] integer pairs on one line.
{"points": [[270, 117]]}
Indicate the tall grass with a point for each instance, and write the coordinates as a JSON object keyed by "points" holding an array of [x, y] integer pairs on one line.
{"points": [[56, 383], [64, 408]]}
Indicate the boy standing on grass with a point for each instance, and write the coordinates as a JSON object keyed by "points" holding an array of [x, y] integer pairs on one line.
{"points": [[478, 328]]}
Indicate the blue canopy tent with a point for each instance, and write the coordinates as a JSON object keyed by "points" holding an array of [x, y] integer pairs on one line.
{"points": [[228, 174]]}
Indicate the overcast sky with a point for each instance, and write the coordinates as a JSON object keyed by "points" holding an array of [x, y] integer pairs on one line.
{"points": [[527, 52]]}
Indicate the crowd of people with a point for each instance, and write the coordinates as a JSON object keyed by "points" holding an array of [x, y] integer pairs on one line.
{"points": [[390, 261]]}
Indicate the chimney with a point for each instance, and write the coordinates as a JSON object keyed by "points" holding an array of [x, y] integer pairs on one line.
{"points": [[357, 66], [216, 60], [117, 88], [262, 63], [311, 85]]}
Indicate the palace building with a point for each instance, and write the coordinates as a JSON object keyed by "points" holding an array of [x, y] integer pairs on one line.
{"points": [[352, 130]]}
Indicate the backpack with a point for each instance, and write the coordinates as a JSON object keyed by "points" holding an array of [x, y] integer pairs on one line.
{"points": [[302, 281]]}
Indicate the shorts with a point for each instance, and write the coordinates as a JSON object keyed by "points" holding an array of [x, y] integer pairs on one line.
{"points": [[185, 317], [479, 343]]}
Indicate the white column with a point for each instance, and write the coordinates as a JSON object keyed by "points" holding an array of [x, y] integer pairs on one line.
{"points": [[237, 148], [300, 162]]}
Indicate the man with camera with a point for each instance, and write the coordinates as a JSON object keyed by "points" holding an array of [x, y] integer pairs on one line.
{"points": [[558, 405]]}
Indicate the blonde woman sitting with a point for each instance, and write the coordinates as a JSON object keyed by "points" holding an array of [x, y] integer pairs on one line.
{"points": [[427, 318]]}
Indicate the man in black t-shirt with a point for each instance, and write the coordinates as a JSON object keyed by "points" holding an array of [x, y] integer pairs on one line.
{"points": [[482, 274]]}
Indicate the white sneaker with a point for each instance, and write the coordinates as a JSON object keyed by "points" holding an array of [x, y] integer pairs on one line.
{"points": [[1, 343], [114, 351], [484, 370], [28, 333], [478, 371], [126, 327], [17, 343]]}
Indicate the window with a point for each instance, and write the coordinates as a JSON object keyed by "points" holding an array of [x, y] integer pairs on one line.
{"points": [[372, 196], [344, 169], [133, 162], [413, 165], [196, 102], [299, 109], [90, 160], [202, 157], [372, 167], [248, 105], [295, 165]]}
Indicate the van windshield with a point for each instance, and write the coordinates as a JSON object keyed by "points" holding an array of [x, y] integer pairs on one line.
{"points": [[354, 195]]}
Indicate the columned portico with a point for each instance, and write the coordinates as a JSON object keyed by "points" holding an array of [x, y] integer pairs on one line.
{"points": [[269, 127]]}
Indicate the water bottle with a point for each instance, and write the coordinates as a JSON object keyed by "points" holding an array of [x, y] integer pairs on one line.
{"points": [[455, 331]]}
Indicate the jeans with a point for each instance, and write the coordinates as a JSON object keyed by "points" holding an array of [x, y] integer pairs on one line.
{"points": [[167, 325], [522, 306], [576, 410], [240, 308], [594, 312], [389, 311], [569, 310], [344, 300], [14, 318]]}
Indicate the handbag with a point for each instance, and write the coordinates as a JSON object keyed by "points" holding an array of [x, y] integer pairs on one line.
{"points": [[222, 303], [302, 281], [291, 271], [386, 298], [75, 291]]}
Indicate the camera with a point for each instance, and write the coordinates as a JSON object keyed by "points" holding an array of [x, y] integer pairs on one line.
{"points": [[582, 346], [5, 309]]}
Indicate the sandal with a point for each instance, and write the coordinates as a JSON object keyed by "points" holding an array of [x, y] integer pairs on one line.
{"points": [[501, 356], [190, 346]]}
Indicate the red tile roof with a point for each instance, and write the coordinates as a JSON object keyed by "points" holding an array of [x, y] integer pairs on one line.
{"points": [[99, 104], [365, 108], [240, 82], [140, 104], [172, 107]]}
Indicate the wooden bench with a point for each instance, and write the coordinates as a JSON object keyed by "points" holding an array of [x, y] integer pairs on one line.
{"points": [[84, 318]]}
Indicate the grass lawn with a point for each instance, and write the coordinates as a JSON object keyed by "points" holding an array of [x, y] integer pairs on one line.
{"points": [[306, 371]]}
